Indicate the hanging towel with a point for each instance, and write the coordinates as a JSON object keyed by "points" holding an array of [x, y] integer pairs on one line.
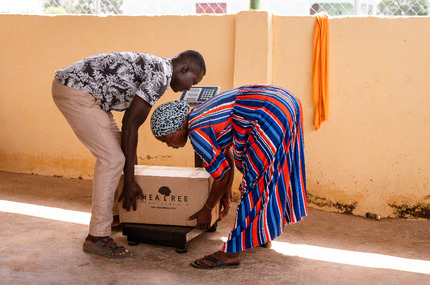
{"points": [[320, 70]]}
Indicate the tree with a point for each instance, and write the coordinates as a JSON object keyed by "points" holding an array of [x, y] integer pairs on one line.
{"points": [[404, 7], [254, 4], [82, 6]]}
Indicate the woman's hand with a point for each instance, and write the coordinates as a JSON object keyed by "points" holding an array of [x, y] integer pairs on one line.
{"points": [[203, 217], [220, 191], [225, 205], [225, 199]]}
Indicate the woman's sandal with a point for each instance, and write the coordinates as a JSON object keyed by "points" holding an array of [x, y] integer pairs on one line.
{"points": [[216, 263], [266, 245], [102, 248]]}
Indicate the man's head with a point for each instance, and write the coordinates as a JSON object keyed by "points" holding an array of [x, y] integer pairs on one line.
{"points": [[188, 69], [169, 123]]}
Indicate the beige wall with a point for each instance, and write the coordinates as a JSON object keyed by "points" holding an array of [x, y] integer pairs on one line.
{"points": [[35, 136], [372, 152]]}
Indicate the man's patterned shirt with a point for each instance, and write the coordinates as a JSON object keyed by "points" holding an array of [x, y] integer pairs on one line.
{"points": [[116, 77]]}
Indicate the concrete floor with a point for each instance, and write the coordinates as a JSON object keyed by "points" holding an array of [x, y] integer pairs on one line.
{"points": [[325, 248]]}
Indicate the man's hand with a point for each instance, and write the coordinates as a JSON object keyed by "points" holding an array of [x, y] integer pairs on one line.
{"points": [[132, 120], [203, 217], [129, 195]]}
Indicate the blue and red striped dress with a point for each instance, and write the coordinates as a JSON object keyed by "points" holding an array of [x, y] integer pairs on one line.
{"points": [[263, 124]]}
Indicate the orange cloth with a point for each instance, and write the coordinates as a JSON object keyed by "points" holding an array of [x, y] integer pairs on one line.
{"points": [[320, 70]]}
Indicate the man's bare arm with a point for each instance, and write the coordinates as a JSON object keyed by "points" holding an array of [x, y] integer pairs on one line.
{"points": [[134, 117]]}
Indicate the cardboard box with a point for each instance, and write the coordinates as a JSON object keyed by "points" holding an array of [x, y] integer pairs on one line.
{"points": [[172, 194]]}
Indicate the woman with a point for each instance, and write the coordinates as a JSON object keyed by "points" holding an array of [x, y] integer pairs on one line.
{"points": [[263, 124]]}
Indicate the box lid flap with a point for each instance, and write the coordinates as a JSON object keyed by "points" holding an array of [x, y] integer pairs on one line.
{"points": [[171, 171]]}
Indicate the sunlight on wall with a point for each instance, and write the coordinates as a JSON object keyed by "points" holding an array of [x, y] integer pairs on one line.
{"points": [[45, 212], [348, 257]]}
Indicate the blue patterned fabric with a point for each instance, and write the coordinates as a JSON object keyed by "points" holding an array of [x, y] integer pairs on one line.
{"points": [[263, 124]]}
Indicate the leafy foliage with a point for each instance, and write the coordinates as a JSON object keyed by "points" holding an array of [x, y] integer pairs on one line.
{"points": [[82, 6]]}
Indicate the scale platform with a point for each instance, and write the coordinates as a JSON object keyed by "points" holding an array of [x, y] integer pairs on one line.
{"points": [[174, 236]]}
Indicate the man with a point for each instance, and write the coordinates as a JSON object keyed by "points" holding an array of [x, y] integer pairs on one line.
{"points": [[263, 125], [86, 93]]}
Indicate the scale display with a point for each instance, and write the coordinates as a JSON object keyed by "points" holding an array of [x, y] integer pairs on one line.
{"points": [[197, 95]]}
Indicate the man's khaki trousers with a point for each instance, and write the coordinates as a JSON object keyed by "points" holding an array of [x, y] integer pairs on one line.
{"points": [[99, 132]]}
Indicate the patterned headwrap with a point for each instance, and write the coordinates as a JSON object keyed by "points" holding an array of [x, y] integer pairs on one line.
{"points": [[169, 117]]}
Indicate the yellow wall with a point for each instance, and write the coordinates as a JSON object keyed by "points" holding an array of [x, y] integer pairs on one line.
{"points": [[374, 149], [372, 152], [35, 136]]}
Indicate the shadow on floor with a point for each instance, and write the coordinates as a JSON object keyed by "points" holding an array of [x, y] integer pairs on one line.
{"points": [[325, 248]]}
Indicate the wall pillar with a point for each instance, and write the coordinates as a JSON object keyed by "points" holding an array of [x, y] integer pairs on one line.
{"points": [[253, 48]]}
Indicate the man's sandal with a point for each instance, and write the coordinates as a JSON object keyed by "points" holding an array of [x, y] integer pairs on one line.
{"points": [[216, 263], [102, 248]]}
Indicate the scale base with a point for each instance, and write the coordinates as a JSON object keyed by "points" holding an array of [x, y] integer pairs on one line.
{"points": [[174, 236]]}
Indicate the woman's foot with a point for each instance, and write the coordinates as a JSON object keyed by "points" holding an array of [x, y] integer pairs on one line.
{"points": [[217, 260], [104, 246], [266, 245], [116, 225]]}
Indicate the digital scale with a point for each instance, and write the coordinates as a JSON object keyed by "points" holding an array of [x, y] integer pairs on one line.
{"points": [[174, 236], [197, 95]]}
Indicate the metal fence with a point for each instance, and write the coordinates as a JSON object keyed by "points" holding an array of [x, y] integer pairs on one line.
{"points": [[83, 6], [369, 7], [289, 7]]}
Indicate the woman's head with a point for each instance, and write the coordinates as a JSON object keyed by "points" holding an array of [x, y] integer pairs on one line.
{"points": [[169, 123]]}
